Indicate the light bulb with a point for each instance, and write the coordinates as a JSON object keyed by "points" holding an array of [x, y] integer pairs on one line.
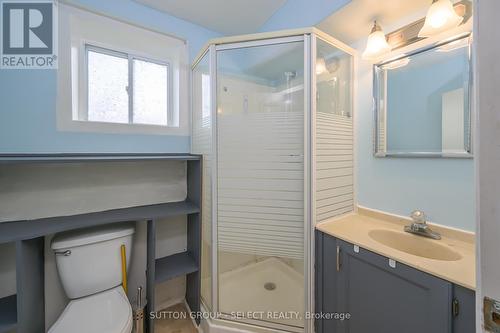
{"points": [[377, 44], [320, 66], [440, 17]]}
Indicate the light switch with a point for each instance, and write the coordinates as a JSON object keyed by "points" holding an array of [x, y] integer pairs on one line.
{"points": [[491, 314]]}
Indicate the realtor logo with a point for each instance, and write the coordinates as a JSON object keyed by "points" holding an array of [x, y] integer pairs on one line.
{"points": [[28, 34]]}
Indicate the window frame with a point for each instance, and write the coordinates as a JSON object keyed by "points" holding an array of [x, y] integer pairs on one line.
{"points": [[79, 26], [83, 108]]}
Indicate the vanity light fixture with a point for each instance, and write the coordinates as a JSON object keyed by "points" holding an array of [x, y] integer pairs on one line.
{"points": [[377, 43], [440, 17]]}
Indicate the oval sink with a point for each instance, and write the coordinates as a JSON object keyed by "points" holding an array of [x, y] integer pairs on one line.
{"points": [[416, 245]]}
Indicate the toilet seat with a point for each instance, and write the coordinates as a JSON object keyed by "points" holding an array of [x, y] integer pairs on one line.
{"points": [[105, 312]]}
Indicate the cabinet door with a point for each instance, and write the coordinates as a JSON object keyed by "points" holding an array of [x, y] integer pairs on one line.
{"points": [[385, 299], [318, 279], [464, 316], [326, 282]]}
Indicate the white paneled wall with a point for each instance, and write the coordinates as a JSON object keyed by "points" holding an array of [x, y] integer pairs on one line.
{"points": [[334, 167]]}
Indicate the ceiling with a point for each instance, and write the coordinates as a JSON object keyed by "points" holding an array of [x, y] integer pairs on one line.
{"points": [[354, 21], [228, 17]]}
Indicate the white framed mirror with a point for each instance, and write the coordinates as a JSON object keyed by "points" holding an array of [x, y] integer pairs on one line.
{"points": [[423, 102]]}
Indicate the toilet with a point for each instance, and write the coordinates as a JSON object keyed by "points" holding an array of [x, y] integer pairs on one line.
{"points": [[89, 266]]}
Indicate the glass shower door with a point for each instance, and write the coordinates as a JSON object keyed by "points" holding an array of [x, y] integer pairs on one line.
{"points": [[260, 182]]}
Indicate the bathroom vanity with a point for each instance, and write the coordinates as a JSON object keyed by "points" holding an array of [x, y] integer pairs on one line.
{"points": [[390, 291]]}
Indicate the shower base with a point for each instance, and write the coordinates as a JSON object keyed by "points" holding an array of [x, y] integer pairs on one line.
{"points": [[269, 291]]}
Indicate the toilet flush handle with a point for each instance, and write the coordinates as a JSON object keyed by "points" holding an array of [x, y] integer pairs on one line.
{"points": [[63, 253]]}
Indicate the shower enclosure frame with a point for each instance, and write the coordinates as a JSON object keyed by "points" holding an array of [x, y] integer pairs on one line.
{"points": [[309, 37]]}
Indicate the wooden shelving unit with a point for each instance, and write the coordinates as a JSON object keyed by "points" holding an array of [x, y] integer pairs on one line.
{"points": [[185, 263], [18, 230], [25, 311]]}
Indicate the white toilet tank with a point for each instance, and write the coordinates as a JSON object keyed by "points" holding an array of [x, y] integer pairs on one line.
{"points": [[89, 260]]}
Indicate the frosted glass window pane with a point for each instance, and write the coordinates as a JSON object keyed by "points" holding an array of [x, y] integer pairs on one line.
{"points": [[107, 88], [150, 92]]}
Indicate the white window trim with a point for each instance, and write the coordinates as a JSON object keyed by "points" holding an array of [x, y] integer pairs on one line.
{"points": [[124, 54], [72, 81]]}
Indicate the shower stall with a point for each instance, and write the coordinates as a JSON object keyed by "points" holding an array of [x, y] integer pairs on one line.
{"points": [[272, 116]]}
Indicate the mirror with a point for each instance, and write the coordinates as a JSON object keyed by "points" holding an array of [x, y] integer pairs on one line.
{"points": [[422, 102]]}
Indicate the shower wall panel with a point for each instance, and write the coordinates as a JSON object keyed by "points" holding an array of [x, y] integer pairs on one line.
{"points": [[334, 133]]}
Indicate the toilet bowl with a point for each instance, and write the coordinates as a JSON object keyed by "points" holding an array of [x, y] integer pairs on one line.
{"points": [[89, 265], [104, 312]]}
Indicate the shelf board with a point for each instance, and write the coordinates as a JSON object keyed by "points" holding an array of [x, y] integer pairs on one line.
{"points": [[8, 313], [76, 158], [173, 266], [16, 230]]}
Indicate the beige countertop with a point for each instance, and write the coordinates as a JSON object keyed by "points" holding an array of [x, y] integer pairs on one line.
{"points": [[355, 228]]}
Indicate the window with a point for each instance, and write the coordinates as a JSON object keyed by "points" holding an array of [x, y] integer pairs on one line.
{"points": [[119, 78], [123, 88]]}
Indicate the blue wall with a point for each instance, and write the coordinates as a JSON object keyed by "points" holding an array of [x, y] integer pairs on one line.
{"points": [[28, 97], [441, 187], [302, 13]]}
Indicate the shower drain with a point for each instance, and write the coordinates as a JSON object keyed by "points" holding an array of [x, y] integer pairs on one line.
{"points": [[270, 286]]}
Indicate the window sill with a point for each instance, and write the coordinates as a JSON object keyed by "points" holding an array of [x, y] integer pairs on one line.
{"points": [[117, 128]]}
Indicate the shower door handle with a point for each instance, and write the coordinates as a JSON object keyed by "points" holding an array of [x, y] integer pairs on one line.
{"points": [[63, 253]]}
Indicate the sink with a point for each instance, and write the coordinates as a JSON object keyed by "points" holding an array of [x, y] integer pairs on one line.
{"points": [[415, 245]]}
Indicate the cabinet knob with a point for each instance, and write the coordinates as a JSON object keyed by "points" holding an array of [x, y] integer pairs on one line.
{"points": [[455, 307]]}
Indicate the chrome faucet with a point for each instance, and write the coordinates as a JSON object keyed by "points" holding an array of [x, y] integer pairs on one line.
{"points": [[419, 226]]}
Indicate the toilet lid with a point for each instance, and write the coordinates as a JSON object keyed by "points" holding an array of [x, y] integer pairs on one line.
{"points": [[105, 312]]}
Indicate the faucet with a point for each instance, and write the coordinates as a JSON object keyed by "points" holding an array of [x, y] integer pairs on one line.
{"points": [[419, 226]]}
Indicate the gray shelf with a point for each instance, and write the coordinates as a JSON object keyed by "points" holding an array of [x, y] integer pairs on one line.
{"points": [[17, 230], [75, 158], [8, 313], [186, 263], [169, 267]]}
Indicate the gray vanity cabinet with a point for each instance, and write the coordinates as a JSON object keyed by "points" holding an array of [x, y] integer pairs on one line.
{"points": [[383, 296], [389, 297]]}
